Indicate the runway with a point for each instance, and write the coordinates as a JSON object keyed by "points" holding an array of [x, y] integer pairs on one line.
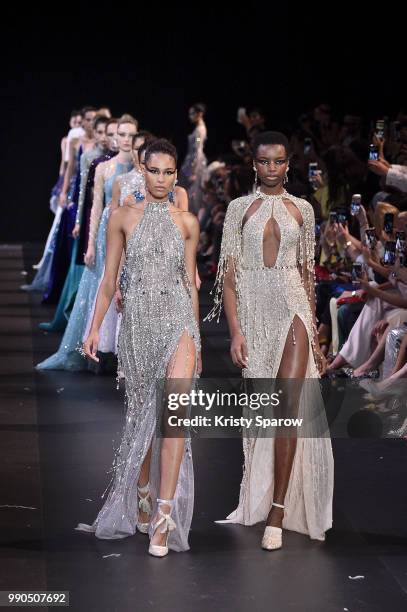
{"points": [[57, 433]]}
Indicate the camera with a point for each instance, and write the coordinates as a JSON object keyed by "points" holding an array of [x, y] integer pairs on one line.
{"points": [[373, 152], [355, 204], [342, 218], [371, 237], [400, 241], [389, 257], [333, 217]]}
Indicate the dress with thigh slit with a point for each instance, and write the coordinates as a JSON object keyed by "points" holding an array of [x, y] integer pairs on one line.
{"points": [[157, 316], [268, 300]]}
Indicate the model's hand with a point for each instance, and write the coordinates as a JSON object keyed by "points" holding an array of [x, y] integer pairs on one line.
{"points": [[198, 281], [90, 256], [62, 199], [118, 300], [199, 364], [238, 351], [76, 229], [320, 361], [90, 346]]}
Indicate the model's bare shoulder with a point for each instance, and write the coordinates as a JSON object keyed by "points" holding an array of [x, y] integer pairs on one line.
{"points": [[191, 221]]}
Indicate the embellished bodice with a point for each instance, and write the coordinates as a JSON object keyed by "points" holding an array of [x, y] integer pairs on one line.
{"points": [[253, 233], [155, 264]]}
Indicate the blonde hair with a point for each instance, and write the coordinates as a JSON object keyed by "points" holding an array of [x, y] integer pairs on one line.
{"points": [[126, 118], [104, 111]]}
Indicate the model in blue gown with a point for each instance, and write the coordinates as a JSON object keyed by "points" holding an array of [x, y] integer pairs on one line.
{"points": [[75, 270], [67, 356], [64, 241]]}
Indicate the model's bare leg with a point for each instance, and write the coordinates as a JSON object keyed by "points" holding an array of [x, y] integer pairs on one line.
{"points": [[181, 370], [293, 365]]}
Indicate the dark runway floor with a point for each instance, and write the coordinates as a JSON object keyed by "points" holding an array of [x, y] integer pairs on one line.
{"points": [[57, 432]]}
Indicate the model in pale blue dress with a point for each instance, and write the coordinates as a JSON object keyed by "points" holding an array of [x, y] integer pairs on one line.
{"points": [[67, 357]]}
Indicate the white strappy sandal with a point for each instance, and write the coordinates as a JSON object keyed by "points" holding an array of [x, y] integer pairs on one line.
{"points": [[167, 525], [144, 506], [273, 536]]}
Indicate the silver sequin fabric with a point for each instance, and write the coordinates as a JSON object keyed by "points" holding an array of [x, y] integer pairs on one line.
{"points": [[158, 313], [268, 299]]}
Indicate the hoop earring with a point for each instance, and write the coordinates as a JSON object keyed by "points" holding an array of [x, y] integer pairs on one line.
{"points": [[285, 180]]}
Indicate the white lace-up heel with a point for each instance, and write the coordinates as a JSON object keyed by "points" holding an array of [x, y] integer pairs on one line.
{"points": [[167, 524], [144, 506], [273, 536]]}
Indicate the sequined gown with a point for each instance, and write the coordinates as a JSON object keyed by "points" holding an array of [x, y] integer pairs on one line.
{"points": [[67, 356], [157, 313], [194, 164], [268, 299], [108, 333]]}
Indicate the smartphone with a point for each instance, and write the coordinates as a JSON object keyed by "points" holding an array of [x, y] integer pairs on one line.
{"points": [[342, 218], [400, 242], [371, 239], [355, 204], [307, 145], [373, 152], [333, 217], [388, 223], [312, 170], [389, 257], [380, 129], [356, 273]]}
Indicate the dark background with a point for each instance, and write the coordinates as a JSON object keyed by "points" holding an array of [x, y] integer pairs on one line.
{"points": [[155, 60]]}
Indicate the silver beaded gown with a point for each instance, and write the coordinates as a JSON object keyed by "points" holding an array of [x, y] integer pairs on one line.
{"points": [[268, 299], [157, 315]]}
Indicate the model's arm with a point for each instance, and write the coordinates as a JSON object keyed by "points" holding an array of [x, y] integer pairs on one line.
{"points": [[84, 170], [114, 249], [69, 172], [191, 246], [95, 214], [62, 164], [115, 201], [306, 265], [238, 346]]}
